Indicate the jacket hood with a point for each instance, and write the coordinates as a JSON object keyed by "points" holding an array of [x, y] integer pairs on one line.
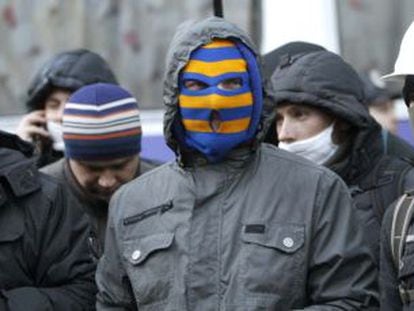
{"points": [[189, 36], [323, 80], [70, 70], [273, 58]]}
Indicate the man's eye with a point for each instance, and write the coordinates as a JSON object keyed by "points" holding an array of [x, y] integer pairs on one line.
{"points": [[53, 104], [195, 85], [300, 114], [86, 167], [231, 84], [278, 118], [118, 167], [94, 169]]}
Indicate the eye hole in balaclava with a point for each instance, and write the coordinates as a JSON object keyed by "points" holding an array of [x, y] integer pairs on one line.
{"points": [[220, 98], [230, 84]]}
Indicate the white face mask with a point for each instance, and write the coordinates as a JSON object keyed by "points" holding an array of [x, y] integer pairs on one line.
{"points": [[56, 133], [319, 148]]}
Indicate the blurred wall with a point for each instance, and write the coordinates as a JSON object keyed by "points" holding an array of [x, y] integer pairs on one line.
{"points": [[132, 35], [371, 31]]}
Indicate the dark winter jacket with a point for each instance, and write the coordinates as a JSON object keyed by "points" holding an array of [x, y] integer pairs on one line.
{"points": [[69, 70], [96, 210], [392, 277], [260, 230], [323, 80], [44, 259]]}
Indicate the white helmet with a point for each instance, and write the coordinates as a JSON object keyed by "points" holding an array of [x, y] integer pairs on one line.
{"points": [[404, 64]]}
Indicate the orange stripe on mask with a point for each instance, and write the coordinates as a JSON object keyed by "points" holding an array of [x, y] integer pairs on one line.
{"points": [[213, 69], [215, 101], [218, 43], [226, 127]]}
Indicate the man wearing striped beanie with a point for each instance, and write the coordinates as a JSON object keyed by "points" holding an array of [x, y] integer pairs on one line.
{"points": [[102, 136]]}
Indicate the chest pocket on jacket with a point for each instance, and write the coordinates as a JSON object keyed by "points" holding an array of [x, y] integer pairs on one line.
{"points": [[150, 266], [11, 223], [271, 260]]}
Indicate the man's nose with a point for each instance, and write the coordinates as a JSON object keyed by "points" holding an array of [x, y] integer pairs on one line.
{"points": [[285, 132], [59, 112], [107, 179]]}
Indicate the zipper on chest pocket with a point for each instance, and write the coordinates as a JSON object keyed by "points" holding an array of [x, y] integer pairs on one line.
{"points": [[148, 213]]}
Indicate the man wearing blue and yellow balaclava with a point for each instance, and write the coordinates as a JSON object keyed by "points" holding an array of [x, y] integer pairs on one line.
{"points": [[220, 98], [223, 227]]}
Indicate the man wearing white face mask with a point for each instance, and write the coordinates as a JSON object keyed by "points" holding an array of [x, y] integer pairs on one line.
{"points": [[49, 90], [318, 148], [320, 115]]}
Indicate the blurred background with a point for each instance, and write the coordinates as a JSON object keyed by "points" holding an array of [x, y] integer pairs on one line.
{"points": [[133, 35]]}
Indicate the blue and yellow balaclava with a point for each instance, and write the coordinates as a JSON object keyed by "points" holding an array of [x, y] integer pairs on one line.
{"points": [[239, 110]]}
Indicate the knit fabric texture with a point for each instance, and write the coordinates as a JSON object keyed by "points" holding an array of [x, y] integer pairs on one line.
{"points": [[238, 109], [101, 122]]}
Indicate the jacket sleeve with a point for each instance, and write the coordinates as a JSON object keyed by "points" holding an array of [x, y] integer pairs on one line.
{"points": [[342, 274], [114, 289], [62, 268], [388, 280]]}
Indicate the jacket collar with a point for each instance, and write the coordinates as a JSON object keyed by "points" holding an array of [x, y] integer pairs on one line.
{"points": [[358, 156], [90, 203], [232, 163]]}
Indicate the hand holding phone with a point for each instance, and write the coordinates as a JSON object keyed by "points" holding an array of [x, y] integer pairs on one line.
{"points": [[33, 126]]}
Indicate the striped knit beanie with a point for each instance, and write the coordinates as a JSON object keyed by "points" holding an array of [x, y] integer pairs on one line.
{"points": [[101, 122]]}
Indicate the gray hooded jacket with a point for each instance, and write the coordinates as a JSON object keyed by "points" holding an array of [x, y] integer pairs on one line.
{"points": [[261, 230]]}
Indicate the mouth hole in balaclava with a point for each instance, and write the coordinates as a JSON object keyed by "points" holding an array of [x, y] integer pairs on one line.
{"points": [[215, 121]]}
